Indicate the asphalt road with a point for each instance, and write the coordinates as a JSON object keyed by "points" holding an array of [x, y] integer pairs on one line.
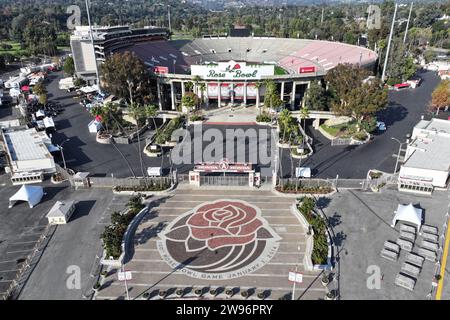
{"points": [[404, 110], [82, 152]]}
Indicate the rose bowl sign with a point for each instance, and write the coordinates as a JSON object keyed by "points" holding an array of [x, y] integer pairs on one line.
{"points": [[218, 240], [232, 70]]}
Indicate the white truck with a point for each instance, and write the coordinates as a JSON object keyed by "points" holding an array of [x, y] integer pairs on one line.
{"points": [[154, 171], [66, 84], [16, 82]]}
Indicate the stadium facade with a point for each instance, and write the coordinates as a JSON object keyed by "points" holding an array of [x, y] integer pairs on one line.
{"points": [[232, 69]]}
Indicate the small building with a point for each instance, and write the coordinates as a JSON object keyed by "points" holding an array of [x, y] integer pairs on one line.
{"points": [[61, 212], [427, 159], [27, 150]]}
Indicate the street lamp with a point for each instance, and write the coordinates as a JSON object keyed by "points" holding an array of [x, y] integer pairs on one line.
{"points": [[62, 152], [399, 149]]}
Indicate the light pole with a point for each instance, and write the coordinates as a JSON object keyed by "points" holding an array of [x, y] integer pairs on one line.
{"points": [[93, 47], [399, 149], [407, 23], [62, 152], [389, 45]]}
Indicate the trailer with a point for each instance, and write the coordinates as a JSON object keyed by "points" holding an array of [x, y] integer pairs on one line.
{"points": [[66, 84], [16, 82]]}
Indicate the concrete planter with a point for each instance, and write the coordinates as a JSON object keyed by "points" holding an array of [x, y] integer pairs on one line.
{"points": [[266, 124], [195, 122], [170, 144], [146, 193], [104, 138], [284, 145]]}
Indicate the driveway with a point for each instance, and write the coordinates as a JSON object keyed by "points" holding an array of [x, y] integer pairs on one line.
{"points": [[404, 110]]}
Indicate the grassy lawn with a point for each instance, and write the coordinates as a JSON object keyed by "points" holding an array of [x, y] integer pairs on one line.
{"points": [[342, 130], [15, 50], [279, 71], [181, 36]]}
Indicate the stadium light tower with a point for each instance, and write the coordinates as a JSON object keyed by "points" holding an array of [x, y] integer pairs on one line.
{"points": [[93, 48], [389, 45], [407, 23]]}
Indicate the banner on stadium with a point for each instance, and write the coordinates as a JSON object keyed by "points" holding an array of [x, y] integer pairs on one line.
{"points": [[232, 70]]}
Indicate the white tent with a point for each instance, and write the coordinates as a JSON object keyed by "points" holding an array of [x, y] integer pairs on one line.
{"points": [[408, 213], [30, 194], [94, 126], [49, 123]]}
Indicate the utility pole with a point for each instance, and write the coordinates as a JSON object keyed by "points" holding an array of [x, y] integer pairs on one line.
{"points": [[168, 14], [389, 45], [93, 48], [407, 23]]}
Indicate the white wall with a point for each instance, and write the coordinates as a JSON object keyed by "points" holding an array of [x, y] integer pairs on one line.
{"points": [[439, 177]]}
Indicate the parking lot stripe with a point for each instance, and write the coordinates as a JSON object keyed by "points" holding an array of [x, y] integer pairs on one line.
{"points": [[25, 242], [10, 252]]}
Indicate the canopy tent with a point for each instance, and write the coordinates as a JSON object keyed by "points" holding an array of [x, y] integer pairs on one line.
{"points": [[48, 122], [30, 194], [408, 213], [94, 126], [40, 114]]}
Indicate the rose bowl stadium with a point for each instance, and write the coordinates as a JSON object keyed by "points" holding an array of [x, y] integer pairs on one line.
{"points": [[231, 69]]}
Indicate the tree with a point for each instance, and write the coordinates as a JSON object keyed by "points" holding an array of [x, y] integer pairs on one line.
{"points": [[137, 112], [353, 97], [151, 111], [127, 77], [79, 82], [316, 97], [189, 100], [401, 65], [39, 89], [69, 66], [440, 98], [43, 98], [272, 98]]}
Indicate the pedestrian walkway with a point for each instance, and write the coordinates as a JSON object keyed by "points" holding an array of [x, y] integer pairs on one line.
{"points": [[261, 265]]}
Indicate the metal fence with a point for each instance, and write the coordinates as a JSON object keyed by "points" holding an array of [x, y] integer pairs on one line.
{"points": [[296, 183], [109, 182], [224, 180], [341, 141]]}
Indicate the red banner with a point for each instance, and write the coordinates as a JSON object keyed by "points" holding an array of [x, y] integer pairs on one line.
{"points": [[160, 69], [306, 69], [223, 166]]}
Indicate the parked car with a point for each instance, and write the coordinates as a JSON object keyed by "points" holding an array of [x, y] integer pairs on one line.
{"points": [[381, 126]]}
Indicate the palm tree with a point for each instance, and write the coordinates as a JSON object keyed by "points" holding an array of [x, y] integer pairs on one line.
{"points": [[151, 111], [284, 121], [304, 114], [258, 85], [202, 88], [136, 112]]}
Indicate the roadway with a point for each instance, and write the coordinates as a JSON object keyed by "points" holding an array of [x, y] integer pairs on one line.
{"points": [[404, 110]]}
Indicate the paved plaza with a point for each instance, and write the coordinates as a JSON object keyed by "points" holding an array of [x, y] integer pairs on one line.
{"points": [[361, 224], [239, 239]]}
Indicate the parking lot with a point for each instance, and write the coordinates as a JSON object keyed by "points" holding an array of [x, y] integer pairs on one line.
{"points": [[21, 227], [403, 112], [361, 223], [74, 249], [160, 263]]}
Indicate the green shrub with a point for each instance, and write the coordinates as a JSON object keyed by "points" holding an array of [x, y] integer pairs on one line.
{"points": [[263, 117], [360, 136], [166, 134], [318, 224], [113, 234], [196, 118]]}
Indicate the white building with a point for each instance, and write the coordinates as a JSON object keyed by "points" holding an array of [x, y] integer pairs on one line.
{"points": [[27, 151], [61, 212], [427, 160]]}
